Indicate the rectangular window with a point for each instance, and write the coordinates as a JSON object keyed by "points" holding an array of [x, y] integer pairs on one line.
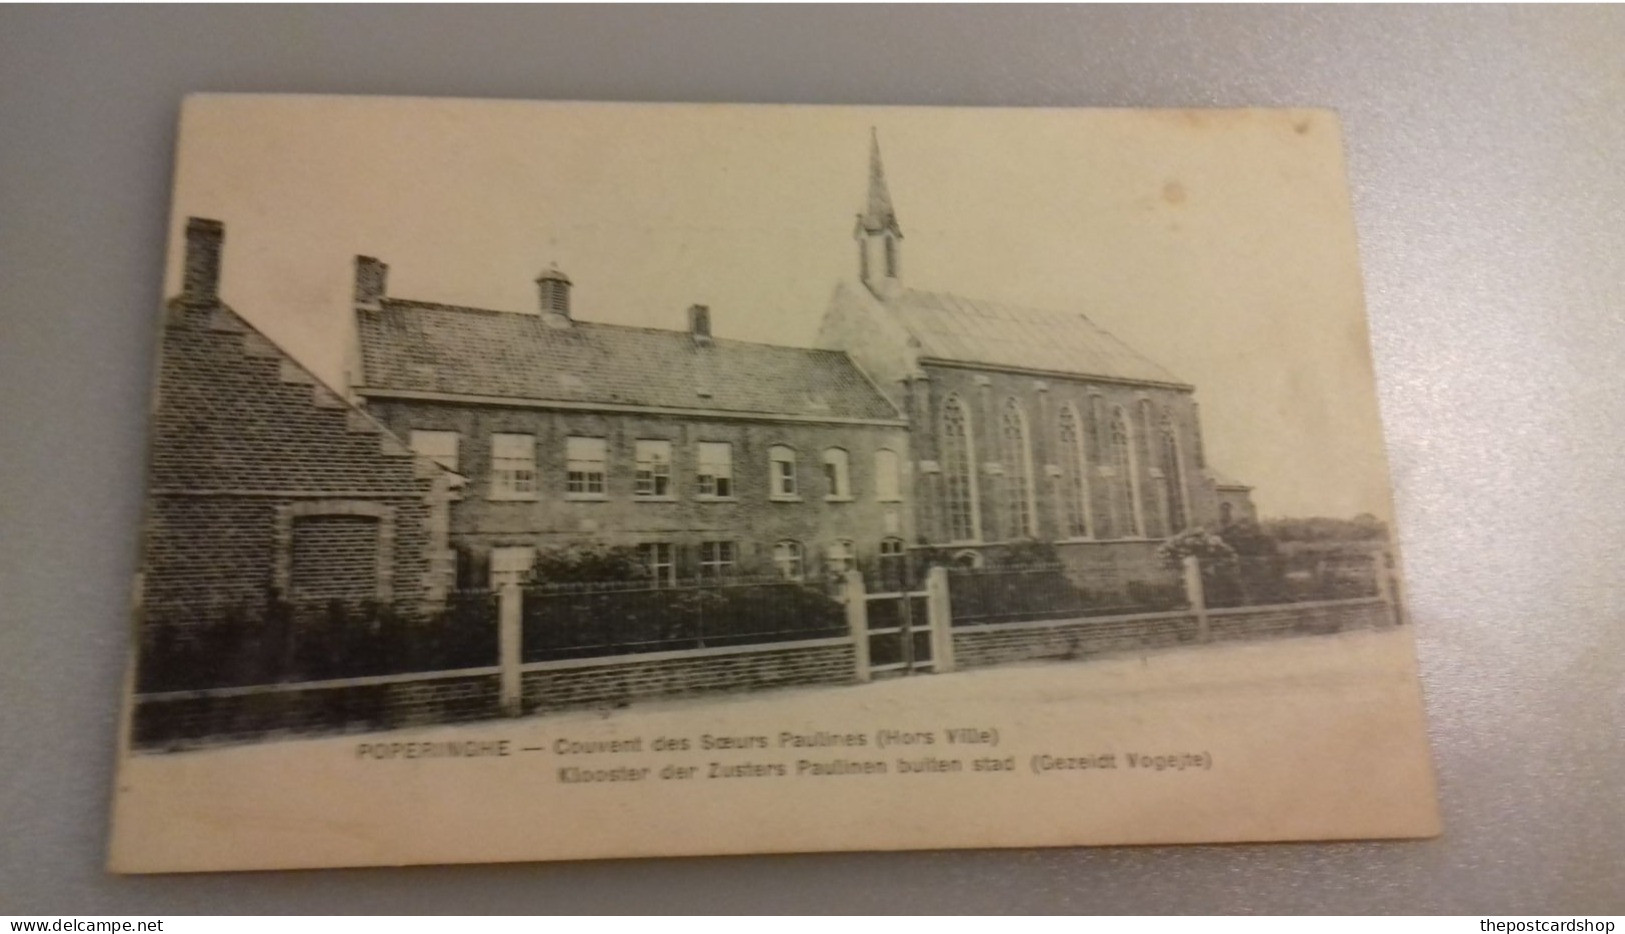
{"points": [[584, 465], [781, 477], [513, 466], [716, 560], [716, 469], [837, 484], [660, 560], [840, 557], [787, 558], [438, 446], [888, 489], [654, 469], [511, 565], [892, 565]]}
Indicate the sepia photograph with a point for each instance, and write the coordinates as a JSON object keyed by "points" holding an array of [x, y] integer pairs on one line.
{"points": [[558, 480]]}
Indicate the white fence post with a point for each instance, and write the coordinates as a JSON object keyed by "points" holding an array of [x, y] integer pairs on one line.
{"points": [[940, 615], [857, 622], [1385, 584], [1197, 598], [509, 633]]}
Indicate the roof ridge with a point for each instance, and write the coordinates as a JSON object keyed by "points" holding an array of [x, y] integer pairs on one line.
{"points": [[954, 311], [1061, 312], [580, 322], [423, 346]]}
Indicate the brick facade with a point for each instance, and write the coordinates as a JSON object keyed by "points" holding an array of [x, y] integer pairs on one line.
{"points": [[181, 719], [622, 680], [1043, 401], [264, 479], [500, 391], [752, 516], [1043, 397], [1236, 504]]}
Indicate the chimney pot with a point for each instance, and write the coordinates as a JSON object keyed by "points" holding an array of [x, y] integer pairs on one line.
{"points": [[371, 281], [699, 323], [200, 282]]}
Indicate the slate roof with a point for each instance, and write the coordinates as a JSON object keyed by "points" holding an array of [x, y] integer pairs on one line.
{"points": [[425, 347], [966, 330]]}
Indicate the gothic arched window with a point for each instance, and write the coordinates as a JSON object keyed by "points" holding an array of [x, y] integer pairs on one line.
{"points": [[1145, 453], [958, 480], [1125, 482], [1074, 477], [1018, 472], [1173, 475]]}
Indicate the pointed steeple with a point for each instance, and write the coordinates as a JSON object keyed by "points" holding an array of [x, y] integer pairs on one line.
{"points": [[878, 216], [878, 234]]}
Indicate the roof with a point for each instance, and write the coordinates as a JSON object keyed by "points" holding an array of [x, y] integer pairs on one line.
{"points": [[553, 273], [968, 330], [425, 347], [1225, 483]]}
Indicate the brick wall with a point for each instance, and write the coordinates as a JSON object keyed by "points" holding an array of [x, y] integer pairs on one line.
{"points": [[178, 721], [997, 644], [1240, 501], [625, 680], [751, 518], [334, 556], [980, 646], [183, 719], [247, 446], [1305, 620]]}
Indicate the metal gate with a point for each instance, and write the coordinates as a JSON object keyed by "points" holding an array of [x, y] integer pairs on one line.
{"points": [[899, 629]]}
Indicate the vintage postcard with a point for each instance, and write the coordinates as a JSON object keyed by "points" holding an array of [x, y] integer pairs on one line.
{"points": [[559, 481]]}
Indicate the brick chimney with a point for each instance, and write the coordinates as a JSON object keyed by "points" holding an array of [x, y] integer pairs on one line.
{"points": [[371, 281], [200, 281], [699, 323]]}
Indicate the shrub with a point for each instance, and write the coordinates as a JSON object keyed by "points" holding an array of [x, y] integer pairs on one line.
{"points": [[1210, 551], [588, 564]]}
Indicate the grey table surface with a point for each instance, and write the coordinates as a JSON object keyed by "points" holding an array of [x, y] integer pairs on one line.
{"points": [[1484, 147]]}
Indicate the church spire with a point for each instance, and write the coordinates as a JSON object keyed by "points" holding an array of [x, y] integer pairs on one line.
{"points": [[877, 232], [879, 215]]}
